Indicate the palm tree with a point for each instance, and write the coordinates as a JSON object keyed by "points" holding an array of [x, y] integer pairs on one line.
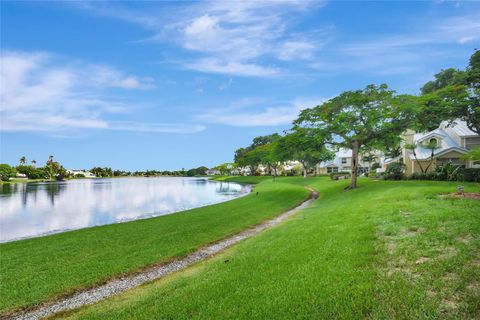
{"points": [[34, 163], [23, 160], [432, 145]]}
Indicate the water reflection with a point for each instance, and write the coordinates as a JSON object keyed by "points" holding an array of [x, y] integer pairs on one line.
{"points": [[31, 209]]}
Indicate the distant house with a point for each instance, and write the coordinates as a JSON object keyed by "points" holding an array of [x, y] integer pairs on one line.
{"points": [[343, 162], [85, 173], [451, 140], [21, 176], [212, 172]]}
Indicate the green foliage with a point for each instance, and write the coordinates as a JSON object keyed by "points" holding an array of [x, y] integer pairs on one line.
{"points": [[447, 172], [226, 168], [376, 166], [452, 95], [472, 155], [54, 170], [395, 171], [443, 79], [7, 172], [355, 119], [469, 175], [38, 173], [102, 172], [305, 146], [200, 171], [31, 172], [261, 151], [337, 175], [263, 140]]}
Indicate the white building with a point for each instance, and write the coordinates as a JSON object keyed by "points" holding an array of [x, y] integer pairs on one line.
{"points": [[85, 173], [343, 162]]}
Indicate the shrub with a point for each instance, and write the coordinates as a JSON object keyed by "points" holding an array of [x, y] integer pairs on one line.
{"points": [[395, 171], [7, 172], [375, 166], [448, 171], [338, 175], [469, 175]]}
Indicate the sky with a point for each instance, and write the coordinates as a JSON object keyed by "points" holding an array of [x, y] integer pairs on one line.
{"points": [[169, 85]]}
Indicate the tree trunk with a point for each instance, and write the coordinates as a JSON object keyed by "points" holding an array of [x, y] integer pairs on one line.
{"points": [[353, 181], [304, 170], [418, 162], [431, 160]]}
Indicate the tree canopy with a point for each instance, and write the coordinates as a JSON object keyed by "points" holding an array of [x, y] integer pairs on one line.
{"points": [[359, 118]]}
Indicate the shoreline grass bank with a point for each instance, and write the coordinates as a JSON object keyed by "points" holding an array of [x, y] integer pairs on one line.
{"points": [[387, 250], [38, 269]]}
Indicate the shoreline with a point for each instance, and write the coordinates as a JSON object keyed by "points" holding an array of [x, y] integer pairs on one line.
{"points": [[141, 217], [119, 285]]}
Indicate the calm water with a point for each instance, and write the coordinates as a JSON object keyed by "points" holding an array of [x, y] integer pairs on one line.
{"points": [[33, 209]]}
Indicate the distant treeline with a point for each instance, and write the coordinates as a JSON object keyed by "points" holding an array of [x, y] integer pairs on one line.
{"points": [[53, 170], [108, 172]]}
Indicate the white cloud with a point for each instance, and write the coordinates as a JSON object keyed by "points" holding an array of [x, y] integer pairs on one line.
{"points": [[291, 50], [41, 92], [226, 85], [270, 116], [212, 65], [155, 127], [229, 37]]}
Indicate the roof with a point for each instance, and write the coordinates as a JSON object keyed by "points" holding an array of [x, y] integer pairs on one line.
{"points": [[447, 144], [459, 127]]}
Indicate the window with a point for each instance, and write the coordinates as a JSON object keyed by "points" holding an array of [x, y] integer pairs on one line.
{"points": [[344, 160], [332, 169], [433, 141]]}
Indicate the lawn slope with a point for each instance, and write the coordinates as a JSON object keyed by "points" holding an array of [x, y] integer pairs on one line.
{"points": [[388, 250], [34, 270]]}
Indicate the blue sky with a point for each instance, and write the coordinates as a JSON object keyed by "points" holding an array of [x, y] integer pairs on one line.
{"points": [[170, 85]]}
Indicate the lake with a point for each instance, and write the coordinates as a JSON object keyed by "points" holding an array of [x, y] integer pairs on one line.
{"points": [[34, 209]]}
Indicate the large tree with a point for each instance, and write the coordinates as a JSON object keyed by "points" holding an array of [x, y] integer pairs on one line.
{"points": [[453, 94], [355, 119], [305, 146], [259, 152]]}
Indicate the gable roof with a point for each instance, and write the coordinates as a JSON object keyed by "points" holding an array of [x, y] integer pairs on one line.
{"points": [[459, 127], [447, 143]]}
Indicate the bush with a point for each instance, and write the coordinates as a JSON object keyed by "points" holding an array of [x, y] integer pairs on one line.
{"points": [[32, 172], [469, 175], [375, 166], [395, 171], [7, 172], [338, 175]]}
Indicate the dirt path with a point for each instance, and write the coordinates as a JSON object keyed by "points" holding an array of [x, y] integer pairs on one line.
{"points": [[118, 286]]}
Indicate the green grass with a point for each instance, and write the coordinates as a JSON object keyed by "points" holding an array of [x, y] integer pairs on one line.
{"points": [[245, 179], [24, 181], [388, 250], [34, 270]]}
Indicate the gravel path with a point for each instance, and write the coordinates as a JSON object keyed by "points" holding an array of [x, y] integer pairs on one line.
{"points": [[118, 286]]}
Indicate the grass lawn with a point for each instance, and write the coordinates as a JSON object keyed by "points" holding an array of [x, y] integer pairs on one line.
{"points": [[388, 250], [34, 270], [244, 179]]}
